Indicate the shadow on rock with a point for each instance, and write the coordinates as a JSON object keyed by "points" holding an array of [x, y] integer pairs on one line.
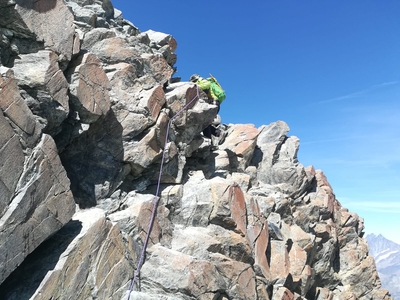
{"points": [[93, 161], [25, 280]]}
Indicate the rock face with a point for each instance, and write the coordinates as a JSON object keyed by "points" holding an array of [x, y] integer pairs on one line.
{"points": [[89, 112]]}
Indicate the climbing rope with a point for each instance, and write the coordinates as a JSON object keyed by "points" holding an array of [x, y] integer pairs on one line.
{"points": [[156, 197]]}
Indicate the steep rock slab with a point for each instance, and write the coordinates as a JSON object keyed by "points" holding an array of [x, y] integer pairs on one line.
{"points": [[97, 264], [19, 131], [47, 89], [36, 15], [229, 209], [41, 205], [300, 255], [15, 109], [280, 262], [11, 163], [35, 197]]}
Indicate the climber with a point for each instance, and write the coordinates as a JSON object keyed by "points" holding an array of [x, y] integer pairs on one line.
{"points": [[215, 95]]}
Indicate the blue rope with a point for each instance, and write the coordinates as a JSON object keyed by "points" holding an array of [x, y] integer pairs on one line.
{"points": [[156, 197]]}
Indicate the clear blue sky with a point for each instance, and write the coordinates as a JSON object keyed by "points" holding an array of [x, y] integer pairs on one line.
{"points": [[329, 69]]}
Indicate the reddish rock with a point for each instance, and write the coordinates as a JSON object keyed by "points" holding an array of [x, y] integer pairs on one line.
{"points": [[258, 236], [280, 262], [90, 86], [298, 260], [238, 208], [153, 100], [241, 140]]}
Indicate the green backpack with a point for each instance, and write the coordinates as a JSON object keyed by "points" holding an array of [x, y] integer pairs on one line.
{"points": [[217, 89]]}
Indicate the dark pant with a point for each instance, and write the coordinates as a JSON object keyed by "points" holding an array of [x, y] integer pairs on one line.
{"points": [[211, 130]]}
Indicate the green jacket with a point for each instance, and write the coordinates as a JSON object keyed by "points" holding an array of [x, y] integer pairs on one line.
{"points": [[205, 85]]}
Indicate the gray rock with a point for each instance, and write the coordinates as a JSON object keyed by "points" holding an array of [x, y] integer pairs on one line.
{"points": [[36, 15], [245, 221], [38, 74], [40, 205], [95, 35], [108, 8], [83, 15], [198, 115], [277, 160]]}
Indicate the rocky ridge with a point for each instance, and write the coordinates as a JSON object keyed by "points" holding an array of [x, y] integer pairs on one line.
{"points": [[86, 99]]}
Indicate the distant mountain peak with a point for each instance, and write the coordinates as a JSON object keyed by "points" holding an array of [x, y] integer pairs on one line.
{"points": [[387, 259]]}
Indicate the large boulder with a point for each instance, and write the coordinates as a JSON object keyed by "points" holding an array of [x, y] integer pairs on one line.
{"points": [[36, 200], [277, 162], [40, 205]]}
